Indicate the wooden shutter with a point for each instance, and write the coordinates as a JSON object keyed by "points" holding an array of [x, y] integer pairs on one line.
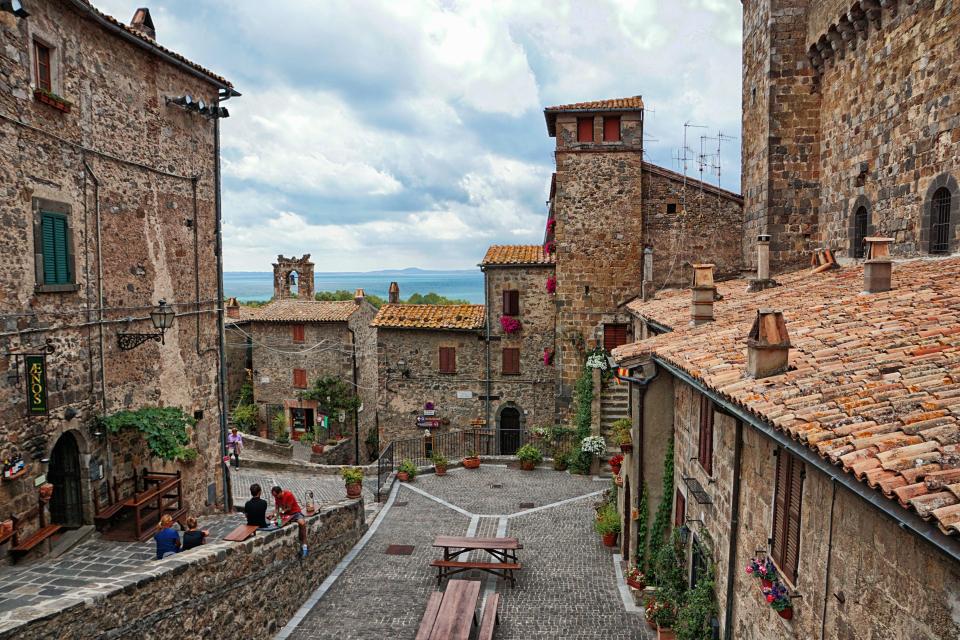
{"points": [[298, 333], [300, 378], [511, 361], [56, 264], [785, 546], [448, 360], [511, 302], [705, 446], [614, 335], [611, 129], [680, 512], [584, 129], [41, 55]]}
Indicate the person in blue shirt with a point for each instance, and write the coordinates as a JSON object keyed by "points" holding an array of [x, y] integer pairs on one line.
{"points": [[168, 540]]}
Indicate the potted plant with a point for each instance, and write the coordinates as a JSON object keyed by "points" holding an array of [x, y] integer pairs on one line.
{"points": [[46, 491], [650, 612], [560, 461], [407, 471], [471, 460], [509, 324], [439, 463], [762, 568], [664, 616], [607, 524], [621, 433], [281, 433], [615, 463], [618, 480], [778, 598], [353, 480], [636, 579], [529, 457]]}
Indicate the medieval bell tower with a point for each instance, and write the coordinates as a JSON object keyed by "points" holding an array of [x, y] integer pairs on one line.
{"points": [[293, 278]]}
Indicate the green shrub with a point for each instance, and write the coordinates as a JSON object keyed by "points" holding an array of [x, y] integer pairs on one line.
{"points": [[281, 433], [529, 453], [608, 520], [409, 468], [579, 461], [164, 428], [439, 460], [698, 609], [583, 399], [245, 396], [244, 416], [351, 475], [661, 520]]}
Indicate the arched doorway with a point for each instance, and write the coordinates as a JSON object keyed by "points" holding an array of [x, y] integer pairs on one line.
{"points": [[860, 224], [66, 505], [625, 541], [509, 434]]}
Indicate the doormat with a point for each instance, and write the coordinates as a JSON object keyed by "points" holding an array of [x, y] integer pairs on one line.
{"points": [[399, 550]]}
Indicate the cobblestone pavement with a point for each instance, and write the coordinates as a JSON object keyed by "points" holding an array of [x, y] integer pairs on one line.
{"points": [[567, 588], [96, 562]]}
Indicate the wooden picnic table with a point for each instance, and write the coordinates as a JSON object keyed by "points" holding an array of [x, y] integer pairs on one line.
{"points": [[451, 614], [503, 550]]}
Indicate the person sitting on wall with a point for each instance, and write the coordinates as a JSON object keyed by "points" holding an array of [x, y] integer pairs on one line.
{"points": [[234, 446], [168, 540], [193, 537], [288, 510], [256, 509]]}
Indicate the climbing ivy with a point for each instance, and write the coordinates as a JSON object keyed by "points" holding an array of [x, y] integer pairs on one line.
{"points": [[164, 428], [661, 521], [583, 397], [642, 556]]}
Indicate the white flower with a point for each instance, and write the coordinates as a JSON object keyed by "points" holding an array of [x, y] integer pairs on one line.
{"points": [[594, 445], [597, 361]]}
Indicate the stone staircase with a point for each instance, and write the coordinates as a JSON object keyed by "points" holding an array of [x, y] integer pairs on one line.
{"points": [[614, 405]]}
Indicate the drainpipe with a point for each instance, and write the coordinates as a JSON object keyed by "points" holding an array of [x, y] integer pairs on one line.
{"points": [[196, 257], [489, 389], [826, 579], [356, 390], [96, 210], [734, 531], [221, 338]]}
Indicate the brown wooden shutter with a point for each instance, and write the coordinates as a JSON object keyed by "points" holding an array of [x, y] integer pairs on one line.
{"points": [[705, 445], [791, 560], [614, 335], [680, 513], [511, 302], [611, 129], [41, 56], [584, 129], [448, 360], [298, 333], [300, 378], [511, 361], [778, 539]]}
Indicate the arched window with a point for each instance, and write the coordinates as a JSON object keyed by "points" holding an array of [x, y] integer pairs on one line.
{"points": [[940, 221], [859, 232]]}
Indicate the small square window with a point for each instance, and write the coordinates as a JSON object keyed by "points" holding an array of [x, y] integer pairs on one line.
{"points": [[611, 129], [671, 207], [511, 302], [300, 378], [511, 361], [448, 360], [298, 334], [584, 129]]}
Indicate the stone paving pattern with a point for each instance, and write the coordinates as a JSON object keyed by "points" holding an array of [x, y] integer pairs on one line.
{"points": [[567, 589]]}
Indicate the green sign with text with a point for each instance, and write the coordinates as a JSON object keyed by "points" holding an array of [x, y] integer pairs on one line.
{"points": [[36, 384]]}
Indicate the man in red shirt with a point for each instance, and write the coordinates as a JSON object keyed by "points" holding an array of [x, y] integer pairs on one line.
{"points": [[288, 510]]}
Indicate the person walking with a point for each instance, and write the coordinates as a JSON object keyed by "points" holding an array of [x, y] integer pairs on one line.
{"points": [[234, 446], [288, 510]]}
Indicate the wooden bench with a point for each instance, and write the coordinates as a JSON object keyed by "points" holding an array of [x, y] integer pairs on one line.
{"points": [[20, 546], [103, 514], [430, 616], [448, 568], [490, 619], [241, 533], [451, 614]]}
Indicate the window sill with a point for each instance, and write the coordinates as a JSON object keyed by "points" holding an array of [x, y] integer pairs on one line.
{"points": [[56, 288]]}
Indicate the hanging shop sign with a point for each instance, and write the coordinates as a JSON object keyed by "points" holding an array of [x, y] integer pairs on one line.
{"points": [[36, 384]]}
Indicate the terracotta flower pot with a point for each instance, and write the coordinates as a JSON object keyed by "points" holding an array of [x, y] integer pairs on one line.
{"points": [[354, 489], [609, 539], [786, 614], [471, 463], [317, 448], [766, 584], [665, 634], [441, 469], [528, 465], [636, 584], [626, 448], [618, 480], [403, 476]]}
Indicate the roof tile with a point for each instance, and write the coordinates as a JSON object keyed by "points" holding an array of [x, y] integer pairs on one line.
{"points": [[292, 310], [463, 317], [517, 254]]}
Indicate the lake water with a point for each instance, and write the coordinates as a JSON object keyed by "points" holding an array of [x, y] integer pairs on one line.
{"points": [[466, 285]]}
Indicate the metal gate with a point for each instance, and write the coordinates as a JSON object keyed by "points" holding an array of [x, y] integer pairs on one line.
{"points": [[66, 507]]}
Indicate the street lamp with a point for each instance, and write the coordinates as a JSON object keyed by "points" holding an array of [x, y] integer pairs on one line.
{"points": [[14, 7], [162, 318]]}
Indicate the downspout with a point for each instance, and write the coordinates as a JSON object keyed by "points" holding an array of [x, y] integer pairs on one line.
{"points": [[196, 258], [489, 388], [221, 339], [734, 531], [826, 579], [100, 303], [356, 390]]}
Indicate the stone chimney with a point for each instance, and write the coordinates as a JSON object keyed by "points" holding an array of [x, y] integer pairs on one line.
{"points": [[393, 294], [359, 295], [701, 304], [232, 308], [768, 345], [143, 23], [878, 267], [647, 284], [763, 280]]}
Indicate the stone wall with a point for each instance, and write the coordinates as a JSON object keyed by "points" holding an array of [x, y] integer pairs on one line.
{"points": [[874, 588], [708, 230], [401, 398], [141, 228], [220, 590], [365, 346], [239, 356], [532, 392]]}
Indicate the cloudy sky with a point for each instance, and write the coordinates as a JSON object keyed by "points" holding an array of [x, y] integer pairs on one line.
{"points": [[410, 133]]}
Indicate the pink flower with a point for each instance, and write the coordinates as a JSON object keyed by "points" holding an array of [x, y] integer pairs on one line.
{"points": [[749, 569], [551, 284]]}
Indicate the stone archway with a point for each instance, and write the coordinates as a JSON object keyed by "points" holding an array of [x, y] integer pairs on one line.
{"points": [[510, 428], [65, 473], [948, 182]]}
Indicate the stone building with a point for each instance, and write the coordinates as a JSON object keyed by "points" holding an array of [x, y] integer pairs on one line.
{"points": [[295, 342], [293, 278], [238, 348], [822, 434], [606, 207], [106, 215], [850, 126], [429, 354]]}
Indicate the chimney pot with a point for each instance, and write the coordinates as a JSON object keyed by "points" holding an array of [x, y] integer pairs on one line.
{"points": [[233, 308], [763, 257], [703, 292], [393, 293], [768, 345], [878, 267], [647, 284], [359, 295]]}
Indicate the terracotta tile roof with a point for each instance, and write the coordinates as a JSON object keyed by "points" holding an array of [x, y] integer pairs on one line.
{"points": [[633, 103], [150, 42], [306, 311], [245, 313], [430, 316], [517, 254], [874, 381]]}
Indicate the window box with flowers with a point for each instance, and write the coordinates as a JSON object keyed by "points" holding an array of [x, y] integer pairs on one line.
{"points": [[52, 99], [510, 325], [779, 600]]}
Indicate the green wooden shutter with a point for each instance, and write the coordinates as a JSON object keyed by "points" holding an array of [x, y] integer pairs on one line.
{"points": [[56, 262]]}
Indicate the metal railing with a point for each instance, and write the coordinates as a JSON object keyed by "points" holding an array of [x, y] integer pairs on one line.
{"points": [[455, 445]]}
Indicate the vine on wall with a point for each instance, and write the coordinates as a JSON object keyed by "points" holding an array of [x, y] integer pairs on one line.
{"points": [[166, 430], [661, 521]]}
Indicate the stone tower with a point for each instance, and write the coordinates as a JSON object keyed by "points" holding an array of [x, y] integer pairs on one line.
{"points": [[781, 133], [293, 272], [596, 221]]}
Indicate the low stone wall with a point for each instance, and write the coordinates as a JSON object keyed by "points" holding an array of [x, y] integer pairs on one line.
{"points": [[267, 446], [225, 590], [336, 454]]}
